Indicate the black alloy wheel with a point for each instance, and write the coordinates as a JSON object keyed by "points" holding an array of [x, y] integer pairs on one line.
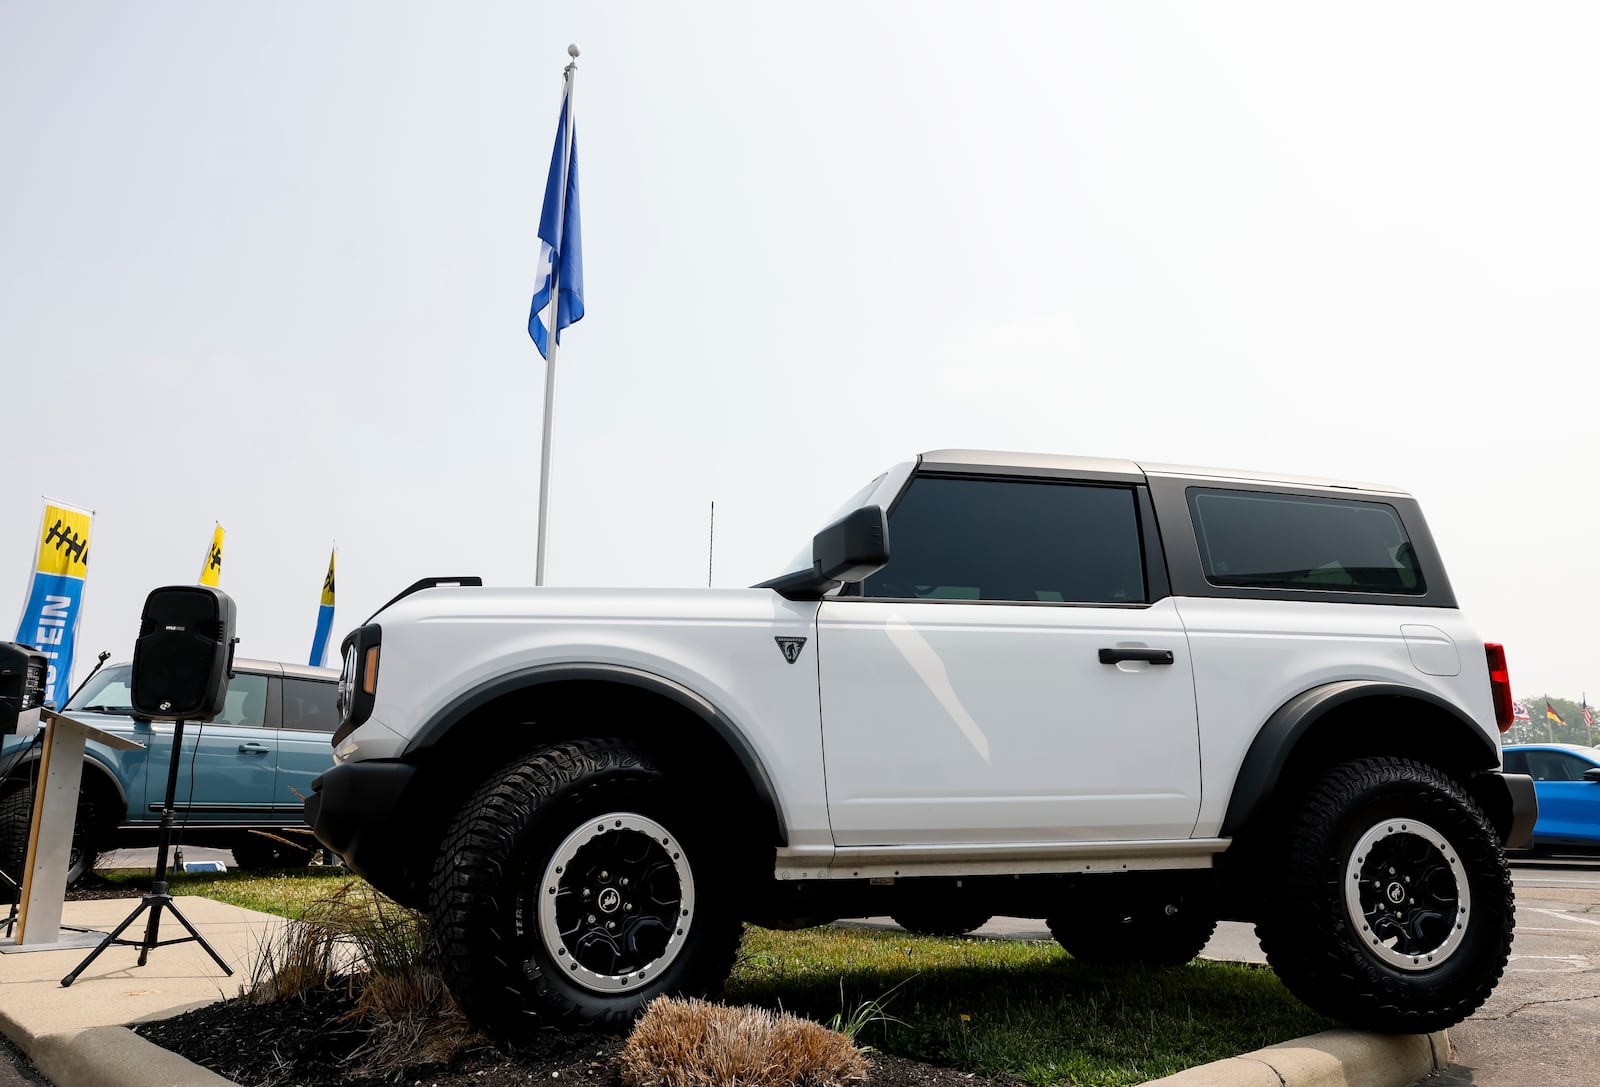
{"points": [[574, 887], [1389, 903]]}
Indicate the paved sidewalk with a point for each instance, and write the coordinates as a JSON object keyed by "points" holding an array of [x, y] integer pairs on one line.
{"points": [[76, 1036]]}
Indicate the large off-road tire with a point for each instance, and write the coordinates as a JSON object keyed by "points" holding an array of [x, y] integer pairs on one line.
{"points": [[1388, 901], [15, 807], [947, 921], [255, 852], [574, 887], [16, 814], [1159, 930]]}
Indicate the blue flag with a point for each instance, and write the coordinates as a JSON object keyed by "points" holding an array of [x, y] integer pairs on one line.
{"points": [[319, 640], [560, 242]]}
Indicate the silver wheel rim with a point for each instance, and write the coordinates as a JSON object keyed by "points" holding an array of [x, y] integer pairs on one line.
{"points": [[1406, 895], [616, 901]]}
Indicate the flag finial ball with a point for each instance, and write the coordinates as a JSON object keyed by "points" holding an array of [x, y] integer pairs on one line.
{"points": [[572, 51]]}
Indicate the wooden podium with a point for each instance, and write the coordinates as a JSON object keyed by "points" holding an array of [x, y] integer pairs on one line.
{"points": [[55, 812]]}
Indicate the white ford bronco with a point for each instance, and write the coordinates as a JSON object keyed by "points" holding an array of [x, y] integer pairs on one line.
{"points": [[1130, 699]]}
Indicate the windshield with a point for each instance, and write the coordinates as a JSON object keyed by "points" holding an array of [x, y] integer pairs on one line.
{"points": [[110, 690]]}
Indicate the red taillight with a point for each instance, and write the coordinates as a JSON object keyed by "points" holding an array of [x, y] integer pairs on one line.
{"points": [[1499, 685]]}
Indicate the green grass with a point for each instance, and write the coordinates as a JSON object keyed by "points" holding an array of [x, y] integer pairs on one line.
{"points": [[986, 1006], [1027, 1009], [285, 893]]}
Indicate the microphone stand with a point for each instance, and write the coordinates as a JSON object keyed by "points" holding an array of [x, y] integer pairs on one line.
{"points": [[158, 899], [105, 655]]}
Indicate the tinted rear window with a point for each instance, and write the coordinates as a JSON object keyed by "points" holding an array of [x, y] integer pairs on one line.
{"points": [[1284, 541], [308, 705]]}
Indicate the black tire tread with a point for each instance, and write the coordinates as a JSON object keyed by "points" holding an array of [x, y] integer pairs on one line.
{"points": [[469, 918], [16, 808], [269, 849], [16, 818], [1306, 936]]}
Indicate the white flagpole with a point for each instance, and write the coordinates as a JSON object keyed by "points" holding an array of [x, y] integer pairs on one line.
{"points": [[568, 78]]}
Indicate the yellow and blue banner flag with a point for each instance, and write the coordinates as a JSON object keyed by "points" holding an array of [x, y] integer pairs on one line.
{"points": [[319, 642], [55, 594], [211, 569]]}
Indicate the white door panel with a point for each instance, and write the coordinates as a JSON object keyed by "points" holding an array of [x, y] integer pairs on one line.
{"points": [[990, 723]]}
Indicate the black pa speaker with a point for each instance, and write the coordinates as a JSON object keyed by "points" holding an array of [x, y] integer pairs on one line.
{"points": [[184, 654], [23, 671]]}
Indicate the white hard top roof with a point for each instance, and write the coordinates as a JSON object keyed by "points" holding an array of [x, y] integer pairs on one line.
{"points": [[987, 460]]}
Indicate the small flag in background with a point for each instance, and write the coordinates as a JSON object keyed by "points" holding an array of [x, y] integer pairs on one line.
{"points": [[560, 240], [319, 642], [1588, 713], [1550, 712], [1519, 712], [211, 569]]}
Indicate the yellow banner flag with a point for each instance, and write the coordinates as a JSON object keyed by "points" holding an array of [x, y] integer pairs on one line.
{"points": [[319, 640], [64, 541], [327, 582], [211, 569], [55, 593]]}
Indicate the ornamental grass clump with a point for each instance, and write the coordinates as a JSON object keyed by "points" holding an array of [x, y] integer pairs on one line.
{"points": [[690, 1043], [359, 941]]}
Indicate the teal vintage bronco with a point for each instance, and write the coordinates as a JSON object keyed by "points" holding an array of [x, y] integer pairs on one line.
{"points": [[242, 782]]}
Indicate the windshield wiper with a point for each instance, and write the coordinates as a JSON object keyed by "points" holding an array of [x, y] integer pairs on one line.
{"points": [[124, 710]]}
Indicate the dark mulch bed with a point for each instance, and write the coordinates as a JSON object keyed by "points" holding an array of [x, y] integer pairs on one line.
{"points": [[307, 1042]]}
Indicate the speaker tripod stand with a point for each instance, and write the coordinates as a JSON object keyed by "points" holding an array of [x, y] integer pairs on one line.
{"points": [[158, 899]]}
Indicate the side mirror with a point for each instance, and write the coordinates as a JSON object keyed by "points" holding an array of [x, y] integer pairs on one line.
{"points": [[853, 547], [1592, 774]]}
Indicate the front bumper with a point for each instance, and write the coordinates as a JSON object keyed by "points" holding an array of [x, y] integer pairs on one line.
{"points": [[358, 810]]}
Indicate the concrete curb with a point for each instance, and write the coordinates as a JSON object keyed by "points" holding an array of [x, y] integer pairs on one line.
{"points": [[116, 1057], [1334, 1058]]}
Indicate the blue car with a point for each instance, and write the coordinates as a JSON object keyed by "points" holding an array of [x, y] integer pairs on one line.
{"points": [[243, 777], [1567, 779]]}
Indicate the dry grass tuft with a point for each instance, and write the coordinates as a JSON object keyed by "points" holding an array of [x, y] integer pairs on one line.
{"points": [[356, 939], [690, 1043], [411, 1020]]}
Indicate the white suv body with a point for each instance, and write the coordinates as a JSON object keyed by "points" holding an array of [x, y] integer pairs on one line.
{"points": [[1068, 682]]}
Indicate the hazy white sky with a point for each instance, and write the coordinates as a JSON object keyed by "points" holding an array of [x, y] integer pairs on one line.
{"points": [[270, 265]]}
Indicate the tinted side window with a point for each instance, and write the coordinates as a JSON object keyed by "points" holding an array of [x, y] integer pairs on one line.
{"points": [[246, 702], [975, 539], [1555, 766], [1516, 762], [308, 705], [1282, 541]]}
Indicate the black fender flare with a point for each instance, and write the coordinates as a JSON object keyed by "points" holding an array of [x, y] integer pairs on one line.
{"points": [[544, 674], [1269, 752], [92, 768]]}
